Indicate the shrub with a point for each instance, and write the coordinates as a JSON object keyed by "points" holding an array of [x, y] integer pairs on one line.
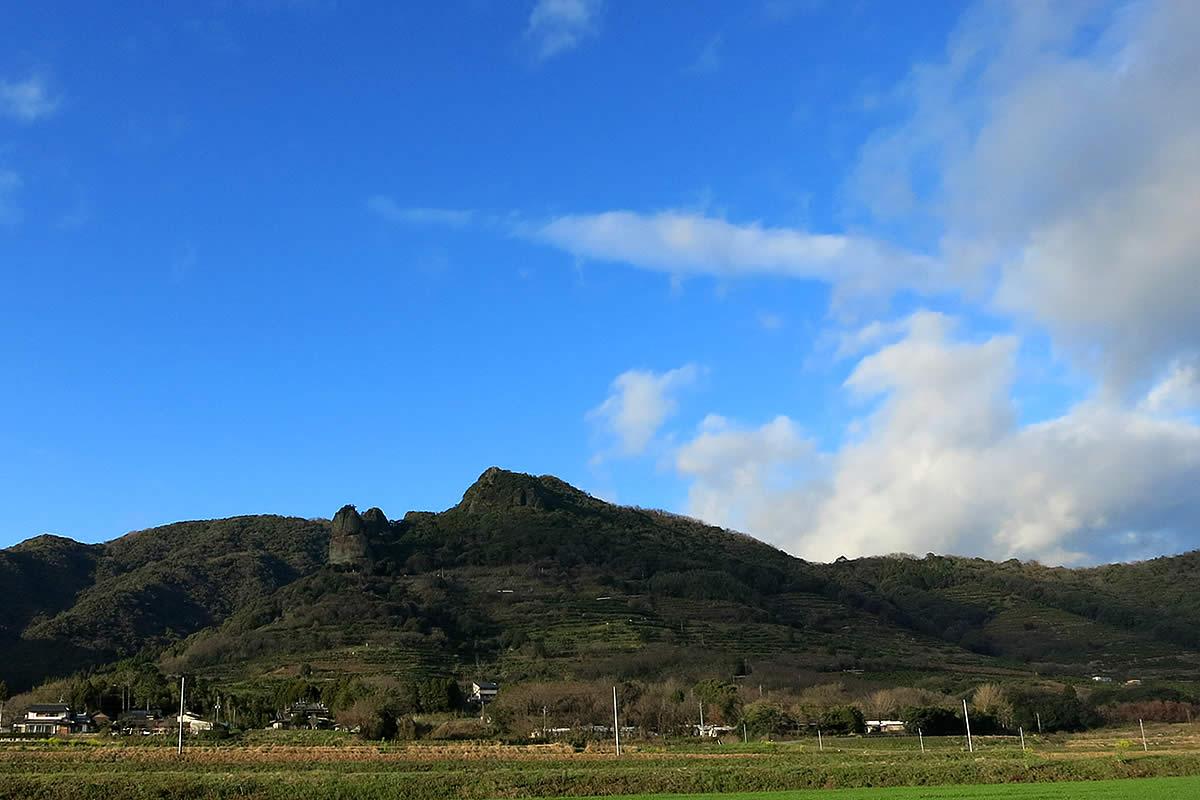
{"points": [[767, 719], [844, 720], [931, 720]]}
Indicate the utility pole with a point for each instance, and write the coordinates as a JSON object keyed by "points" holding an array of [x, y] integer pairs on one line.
{"points": [[1143, 727], [1022, 732], [820, 741], [543, 722], [745, 736], [182, 679], [701, 717], [921, 736], [1039, 721], [616, 723], [967, 718]]}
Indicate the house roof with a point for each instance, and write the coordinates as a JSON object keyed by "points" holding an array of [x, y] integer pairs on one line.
{"points": [[49, 708], [487, 684]]}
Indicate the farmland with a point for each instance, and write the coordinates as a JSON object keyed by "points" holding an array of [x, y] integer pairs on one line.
{"points": [[280, 767]]}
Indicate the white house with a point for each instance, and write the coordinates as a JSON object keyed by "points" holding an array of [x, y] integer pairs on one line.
{"points": [[194, 724], [884, 726], [713, 731], [46, 718], [484, 691]]}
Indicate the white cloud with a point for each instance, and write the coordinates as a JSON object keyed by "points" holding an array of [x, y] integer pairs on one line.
{"points": [[10, 184], [26, 100], [1178, 392], [739, 472], [942, 465], [852, 343], [682, 244], [1051, 158], [638, 403], [1057, 147], [390, 210], [710, 57], [556, 26]]}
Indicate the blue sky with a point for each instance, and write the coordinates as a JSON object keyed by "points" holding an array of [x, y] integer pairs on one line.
{"points": [[854, 278]]}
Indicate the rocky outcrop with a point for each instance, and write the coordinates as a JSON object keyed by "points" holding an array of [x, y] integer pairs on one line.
{"points": [[350, 544], [498, 489], [375, 522]]}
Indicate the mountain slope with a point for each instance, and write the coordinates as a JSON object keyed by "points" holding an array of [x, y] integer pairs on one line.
{"points": [[78, 605], [529, 577]]}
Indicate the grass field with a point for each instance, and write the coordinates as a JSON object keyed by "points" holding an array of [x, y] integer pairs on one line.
{"points": [[269, 768], [1145, 789]]}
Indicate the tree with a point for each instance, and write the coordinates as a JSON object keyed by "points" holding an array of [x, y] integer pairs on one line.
{"points": [[990, 700], [1059, 712], [381, 724], [843, 719], [931, 720], [767, 719], [721, 696]]}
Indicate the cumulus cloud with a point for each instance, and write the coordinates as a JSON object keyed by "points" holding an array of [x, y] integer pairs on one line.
{"points": [[1057, 147], [688, 244], [638, 403], [942, 465], [760, 467], [556, 26], [26, 100]]}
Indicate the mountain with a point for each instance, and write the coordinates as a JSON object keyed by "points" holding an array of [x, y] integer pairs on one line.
{"points": [[529, 577], [69, 606]]}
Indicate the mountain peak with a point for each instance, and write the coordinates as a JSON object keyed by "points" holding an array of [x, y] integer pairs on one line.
{"points": [[499, 489], [46, 542]]}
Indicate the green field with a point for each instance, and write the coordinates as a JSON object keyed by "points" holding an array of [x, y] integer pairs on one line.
{"points": [[1145, 789], [282, 768]]}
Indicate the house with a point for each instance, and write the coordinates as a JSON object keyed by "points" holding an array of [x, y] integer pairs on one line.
{"points": [[193, 723], [714, 731], [46, 718], [548, 732], [1101, 679], [316, 714], [483, 691], [145, 721], [84, 723], [884, 726], [1133, 682]]}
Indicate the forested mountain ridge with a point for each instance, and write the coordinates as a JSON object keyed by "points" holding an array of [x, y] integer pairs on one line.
{"points": [[530, 577], [68, 606]]}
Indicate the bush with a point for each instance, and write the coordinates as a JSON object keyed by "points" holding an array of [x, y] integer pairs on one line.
{"points": [[767, 719], [932, 721], [380, 725], [843, 720]]}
